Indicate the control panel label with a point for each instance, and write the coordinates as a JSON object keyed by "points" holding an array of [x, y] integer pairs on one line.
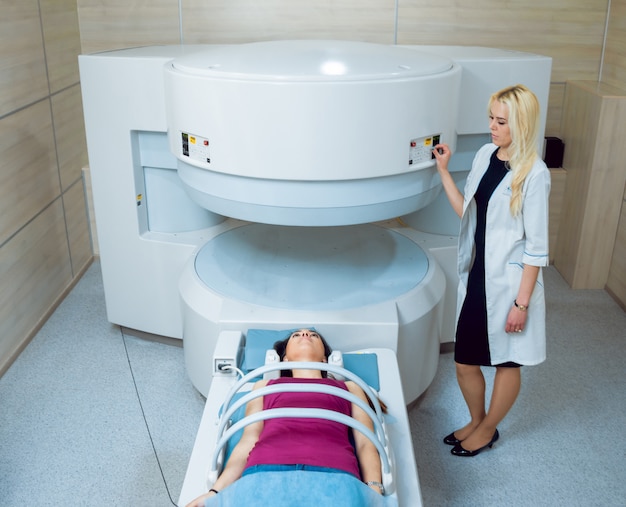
{"points": [[196, 148], [421, 149]]}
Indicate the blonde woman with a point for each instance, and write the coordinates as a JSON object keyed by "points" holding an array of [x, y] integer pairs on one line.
{"points": [[503, 243]]}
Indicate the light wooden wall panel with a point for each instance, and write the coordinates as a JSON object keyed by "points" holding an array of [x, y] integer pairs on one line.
{"points": [[614, 69], [614, 73], [22, 69], [34, 269], [77, 224], [59, 21], [91, 213], [44, 239], [616, 283], [228, 21], [69, 128], [557, 193], [555, 110], [29, 180], [116, 24], [593, 114], [570, 31]]}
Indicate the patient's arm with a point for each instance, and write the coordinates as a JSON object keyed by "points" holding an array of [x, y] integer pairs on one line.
{"points": [[366, 451], [239, 455]]}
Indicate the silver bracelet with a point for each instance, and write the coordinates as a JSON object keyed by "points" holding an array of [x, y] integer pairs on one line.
{"points": [[377, 484]]}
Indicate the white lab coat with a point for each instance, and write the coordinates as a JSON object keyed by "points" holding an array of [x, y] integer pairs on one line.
{"points": [[510, 242]]}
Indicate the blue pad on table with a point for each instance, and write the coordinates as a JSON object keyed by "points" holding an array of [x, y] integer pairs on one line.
{"points": [[258, 341]]}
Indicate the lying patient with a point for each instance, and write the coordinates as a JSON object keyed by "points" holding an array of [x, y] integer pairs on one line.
{"points": [[302, 444]]}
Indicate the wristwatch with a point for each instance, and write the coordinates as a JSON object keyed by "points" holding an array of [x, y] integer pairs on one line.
{"points": [[521, 308]]}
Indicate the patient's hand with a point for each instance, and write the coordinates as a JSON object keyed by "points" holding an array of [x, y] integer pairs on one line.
{"points": [[199, 502]]}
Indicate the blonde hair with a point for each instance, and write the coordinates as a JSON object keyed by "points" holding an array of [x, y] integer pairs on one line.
{"points": [[523, 122]]}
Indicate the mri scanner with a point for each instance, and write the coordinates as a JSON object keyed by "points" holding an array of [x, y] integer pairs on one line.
{"points": [[282, 184]]}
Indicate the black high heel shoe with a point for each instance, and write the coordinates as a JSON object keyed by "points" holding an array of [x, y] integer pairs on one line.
{"points": [[451, 440], [459, 451]]}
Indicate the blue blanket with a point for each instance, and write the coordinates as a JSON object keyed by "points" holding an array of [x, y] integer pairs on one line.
{"points": [[299, 488]]}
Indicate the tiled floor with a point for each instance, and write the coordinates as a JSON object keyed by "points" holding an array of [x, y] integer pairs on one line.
{"points": [[93, 416]]}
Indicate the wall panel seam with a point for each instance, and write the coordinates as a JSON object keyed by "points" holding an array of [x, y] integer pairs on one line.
{"points": [[30, 220]]}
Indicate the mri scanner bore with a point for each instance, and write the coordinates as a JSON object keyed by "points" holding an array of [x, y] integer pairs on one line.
{"points": [[267, 167]]}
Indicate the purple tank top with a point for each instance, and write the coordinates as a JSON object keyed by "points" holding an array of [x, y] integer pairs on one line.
{"points": [[317, 442]]}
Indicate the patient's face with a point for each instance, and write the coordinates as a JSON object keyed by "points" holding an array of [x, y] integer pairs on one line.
{"points": [[305, 345]]}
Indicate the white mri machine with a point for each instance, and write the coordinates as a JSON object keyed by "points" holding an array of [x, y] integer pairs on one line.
{"points": [[273, 185]]}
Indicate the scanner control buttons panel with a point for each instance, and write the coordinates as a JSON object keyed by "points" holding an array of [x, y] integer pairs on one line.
{"points": [[421, 149], [196, 148]]}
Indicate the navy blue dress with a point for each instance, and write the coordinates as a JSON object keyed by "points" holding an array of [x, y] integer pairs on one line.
{"points": [[472, 344]]}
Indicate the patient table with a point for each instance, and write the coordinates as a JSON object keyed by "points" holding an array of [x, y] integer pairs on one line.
{"points": [[402, 481]]}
